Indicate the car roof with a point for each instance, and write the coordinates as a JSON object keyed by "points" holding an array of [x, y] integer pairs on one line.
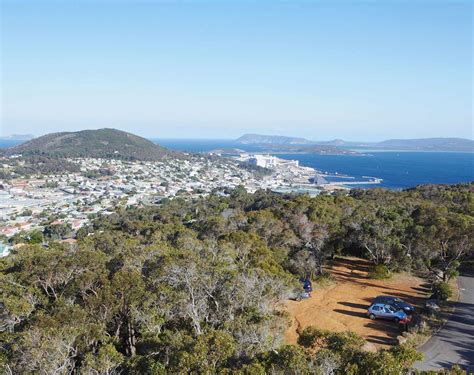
{"points": [[380, 304]]}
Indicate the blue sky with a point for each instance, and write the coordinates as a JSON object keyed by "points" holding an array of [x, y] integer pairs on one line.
{"points": [[361, 70]]}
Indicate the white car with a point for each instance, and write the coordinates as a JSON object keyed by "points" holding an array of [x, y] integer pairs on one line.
{"points": [[388, 312]]}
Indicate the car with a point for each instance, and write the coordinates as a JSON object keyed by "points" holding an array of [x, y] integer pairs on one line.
{"points": [[395, 302], [388, 312]]}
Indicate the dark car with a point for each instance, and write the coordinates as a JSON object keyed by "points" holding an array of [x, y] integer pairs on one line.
{"points": [[395, 302]]}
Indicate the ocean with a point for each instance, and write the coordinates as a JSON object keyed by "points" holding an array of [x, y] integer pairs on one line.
{"points": [[398, 169], [4, 143]]}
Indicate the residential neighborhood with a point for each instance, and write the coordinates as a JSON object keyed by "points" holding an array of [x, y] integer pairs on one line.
{"points": [[73, 199]]}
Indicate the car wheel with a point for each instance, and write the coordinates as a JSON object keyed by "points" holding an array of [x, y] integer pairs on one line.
{"points": [[372, 316], [396, 320]]}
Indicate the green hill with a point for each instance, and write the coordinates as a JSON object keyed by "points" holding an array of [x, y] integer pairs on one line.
{"points": [[102, 143]]}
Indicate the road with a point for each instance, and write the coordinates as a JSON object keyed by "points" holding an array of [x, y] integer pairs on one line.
{"points": [[454, 343]]}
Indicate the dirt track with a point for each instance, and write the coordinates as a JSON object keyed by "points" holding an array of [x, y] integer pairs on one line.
{"points": [[343, 305]]}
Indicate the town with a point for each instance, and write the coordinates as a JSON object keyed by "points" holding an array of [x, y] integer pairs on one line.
{"points": [[72, 200]]}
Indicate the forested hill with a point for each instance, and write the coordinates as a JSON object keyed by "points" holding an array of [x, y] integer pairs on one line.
{"points": [[191, 287], [102, 143]]}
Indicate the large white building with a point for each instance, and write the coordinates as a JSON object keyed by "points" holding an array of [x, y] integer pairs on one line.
{"points": [[269, 161], [265, 161]]}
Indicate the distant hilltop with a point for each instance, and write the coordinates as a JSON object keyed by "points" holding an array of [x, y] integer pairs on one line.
{"points": [[421, 144], [248, 139], [429, 144], [101, 143]]}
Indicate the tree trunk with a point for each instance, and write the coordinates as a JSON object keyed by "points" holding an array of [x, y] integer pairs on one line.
{"points": [[131, 339]]}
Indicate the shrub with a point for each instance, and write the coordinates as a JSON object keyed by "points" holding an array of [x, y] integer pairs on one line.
{"points": [[406, 354], [312, 336], [442, 291], [340, 341], [326, 278], [380, 272], [292, 360]]}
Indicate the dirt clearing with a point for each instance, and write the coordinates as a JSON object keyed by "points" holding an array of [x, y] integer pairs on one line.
{"points": [[343, 305]]}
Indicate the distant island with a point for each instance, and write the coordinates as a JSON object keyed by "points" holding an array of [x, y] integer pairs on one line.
{"points": [[101, 143], [17, 137], [429, 144], [283, 144], [272, 139], [341, 146]]}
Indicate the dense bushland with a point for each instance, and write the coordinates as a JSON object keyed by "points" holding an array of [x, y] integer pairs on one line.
{"points": [[194, 286]]}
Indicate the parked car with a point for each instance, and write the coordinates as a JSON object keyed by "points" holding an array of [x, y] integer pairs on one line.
{"points": [[395, 302], [388, 312]]}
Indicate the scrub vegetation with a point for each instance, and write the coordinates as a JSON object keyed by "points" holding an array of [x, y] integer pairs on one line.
{"points": [[194, 286]]}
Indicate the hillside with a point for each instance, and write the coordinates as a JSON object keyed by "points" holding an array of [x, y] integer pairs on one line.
{"points": [[429, 144], [421, 144], [107, 143], [272, 139]]}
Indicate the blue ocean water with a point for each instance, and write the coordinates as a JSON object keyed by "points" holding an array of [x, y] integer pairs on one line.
{"points": [[4, 143], [399, 170]]}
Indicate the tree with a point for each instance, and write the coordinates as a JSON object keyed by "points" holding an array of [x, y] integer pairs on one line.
{"points": [[209, 353], [107, 361]]}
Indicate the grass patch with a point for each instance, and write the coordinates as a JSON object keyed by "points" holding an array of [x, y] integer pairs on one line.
{"points": [[380, 272], [325, 279]]}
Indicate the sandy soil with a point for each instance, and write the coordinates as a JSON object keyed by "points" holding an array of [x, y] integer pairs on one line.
{"points": [[343, 305]]}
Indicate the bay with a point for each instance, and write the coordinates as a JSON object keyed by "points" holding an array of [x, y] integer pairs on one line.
{"points": [[398, 169]]}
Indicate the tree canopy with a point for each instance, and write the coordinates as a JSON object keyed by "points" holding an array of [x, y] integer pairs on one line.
{"points": [[194, 286]]}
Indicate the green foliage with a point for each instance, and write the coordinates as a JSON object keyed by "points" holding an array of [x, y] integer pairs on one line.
{"points": [[341, 341], [290, 358], [30, 165], [209, 353], [101, 143], [406, 354], [106, 361], [324, 279], [380, 272], [442, 291], [192, 285], [57, 231], [255, 169], [312, 336], [32, 237]]}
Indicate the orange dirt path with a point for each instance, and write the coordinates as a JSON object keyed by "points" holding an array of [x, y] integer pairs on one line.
{"points": [[342, 306]]}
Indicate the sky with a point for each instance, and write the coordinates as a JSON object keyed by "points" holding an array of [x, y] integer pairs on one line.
{"points": [[360, 70]]}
